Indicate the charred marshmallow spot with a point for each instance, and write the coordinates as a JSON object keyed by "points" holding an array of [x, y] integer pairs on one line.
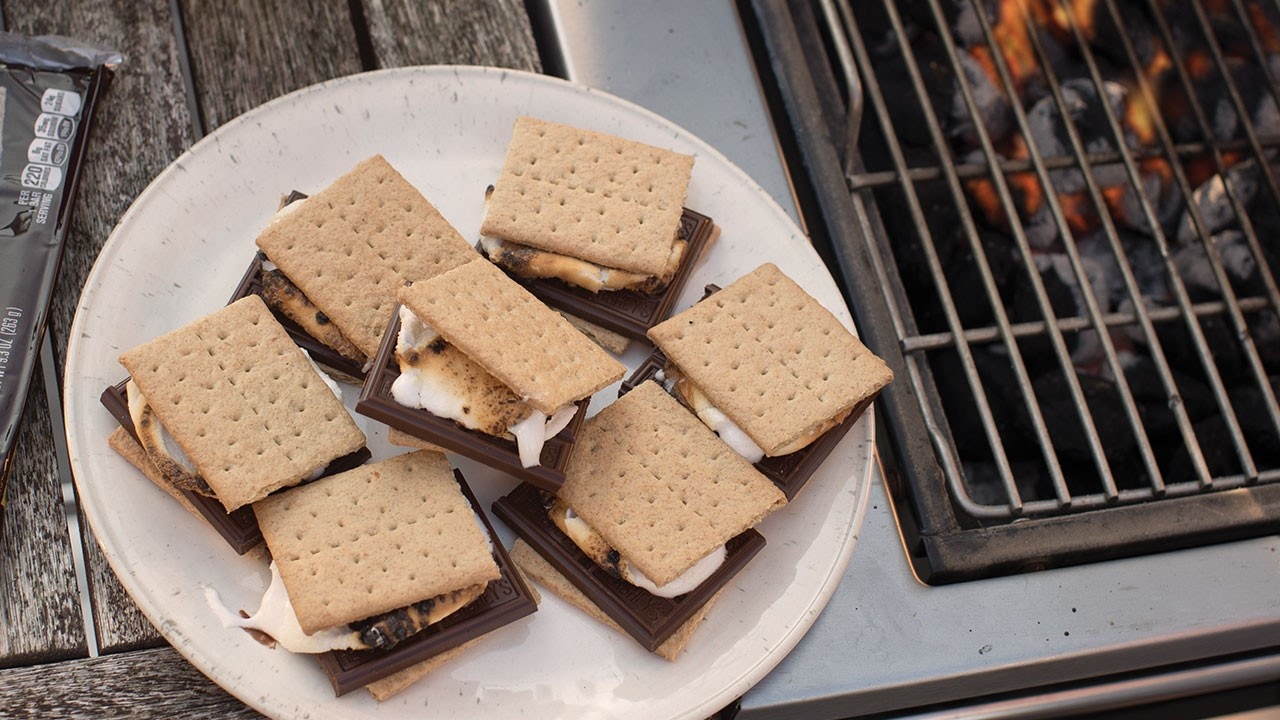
{"points": [[419, 389], [720, 424]]}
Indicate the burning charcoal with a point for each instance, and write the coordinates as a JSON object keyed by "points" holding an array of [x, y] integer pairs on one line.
{"points": [[1065, 296], [1181, 352], [1255, 422], [1216, 210], [1265, 19], [955, 254], [990, 100], [1066, 430], [1108, 40], [1148, 268], [1212, 92], [961, 18], [1236, 258], [1154, 404], [1214, 439], [1082, 105], [1264, 328], [944, 94], [899, 93], [1003, 395]]}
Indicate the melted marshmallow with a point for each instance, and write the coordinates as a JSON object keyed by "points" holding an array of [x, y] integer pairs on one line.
{"points": [[535, 430], [687, 581], [414, 388], [730, 433], [581, 533], [275, 617]]}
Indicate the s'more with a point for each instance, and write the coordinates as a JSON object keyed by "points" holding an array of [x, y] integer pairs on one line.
{"points": [[480, 367], [656, 515], [771, 371], [228, 407], [380, 570], [334, 260], [594, 223]]}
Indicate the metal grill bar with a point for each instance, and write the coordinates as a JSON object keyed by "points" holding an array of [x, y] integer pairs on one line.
{"points": [[871, 84], [936, 341], [1175, 280], [1093, 312], [1052, 328], [1255, 44], [860, 179], [870, 221], [1242, 215], [1112, 235]]}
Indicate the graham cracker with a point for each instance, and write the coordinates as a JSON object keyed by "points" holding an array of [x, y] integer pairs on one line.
{"points": [[404, 439], [351, 245], [770, 357], [602, 336], [536, 567], [659, 486], [527, 346], [589, 195], [243, 402], [123, 443], [374, 539]]}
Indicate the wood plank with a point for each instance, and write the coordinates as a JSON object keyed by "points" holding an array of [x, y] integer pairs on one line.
{"points": [[143, 684], [142, 125], [440, 32], [246, 52], [39, 602]]}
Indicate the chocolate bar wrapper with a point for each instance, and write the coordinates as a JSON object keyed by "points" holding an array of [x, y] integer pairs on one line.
{"points": [[49, 87]]}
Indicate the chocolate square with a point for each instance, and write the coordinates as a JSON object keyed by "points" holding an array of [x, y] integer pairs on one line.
{"points": [[647, 618], [504, 601], [377, 402], [627, 312]]}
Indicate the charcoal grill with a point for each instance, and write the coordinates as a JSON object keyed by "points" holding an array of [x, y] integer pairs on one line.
{"points": [[1043, 416]]}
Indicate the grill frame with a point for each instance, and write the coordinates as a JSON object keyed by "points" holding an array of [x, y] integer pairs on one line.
{"points": [[949, 536]]}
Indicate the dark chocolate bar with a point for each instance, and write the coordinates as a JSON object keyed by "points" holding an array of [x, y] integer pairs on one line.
{"points": [[377, 402], [647, 618], [238, 527], [627, 312], [50, 89], [789, 472], [504, 601]]}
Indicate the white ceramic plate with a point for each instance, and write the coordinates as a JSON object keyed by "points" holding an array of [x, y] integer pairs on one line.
{"points": [[179, 251]]}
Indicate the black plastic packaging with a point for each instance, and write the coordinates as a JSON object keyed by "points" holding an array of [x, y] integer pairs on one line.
{"points": [[49, 87]]}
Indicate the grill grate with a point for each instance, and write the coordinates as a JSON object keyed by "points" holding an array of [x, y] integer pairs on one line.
{"points": [[1081, 349]]}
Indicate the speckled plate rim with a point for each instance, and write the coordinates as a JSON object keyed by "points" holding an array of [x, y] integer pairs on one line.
{"points": [[178, 251]]}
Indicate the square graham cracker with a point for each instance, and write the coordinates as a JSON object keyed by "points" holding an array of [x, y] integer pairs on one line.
{"points": [[659, 486], [589, 195], [243, 402], [350, 246], [374, 539], [771, 358], [526, 345]]}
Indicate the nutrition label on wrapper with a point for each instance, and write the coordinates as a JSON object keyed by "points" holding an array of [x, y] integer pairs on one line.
{"points": [[49, 150], [46, 95]]}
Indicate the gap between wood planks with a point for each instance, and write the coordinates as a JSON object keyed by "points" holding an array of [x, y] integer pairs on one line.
{"points": [[70, 507]]}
